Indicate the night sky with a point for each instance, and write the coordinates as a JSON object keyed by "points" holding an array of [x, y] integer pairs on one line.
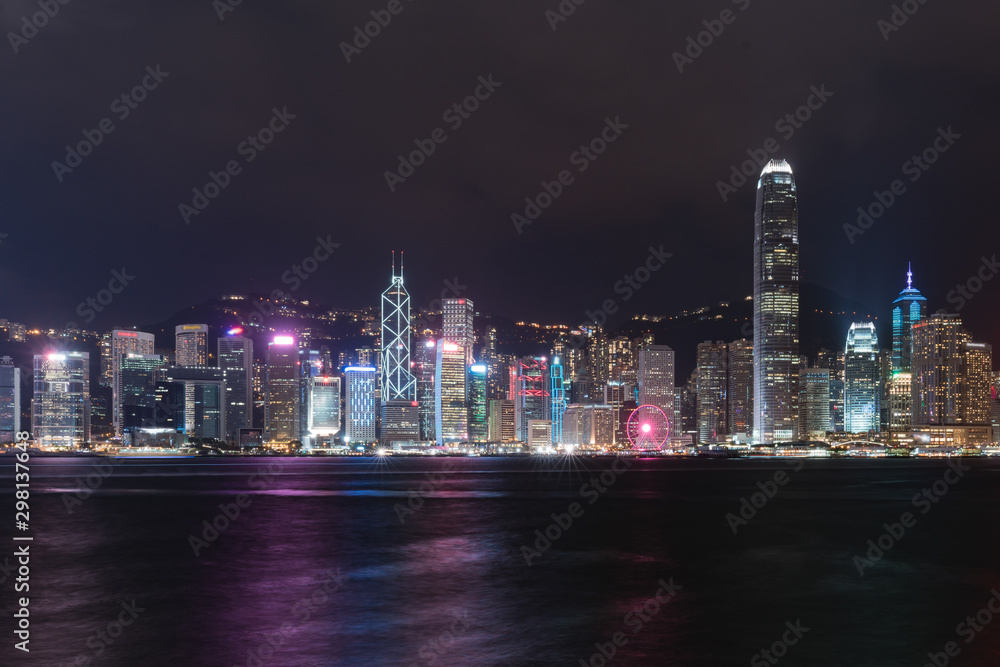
{"points": [[324, 174]]}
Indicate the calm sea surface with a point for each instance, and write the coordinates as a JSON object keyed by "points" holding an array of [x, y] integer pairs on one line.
{"points": [[420, 561]]}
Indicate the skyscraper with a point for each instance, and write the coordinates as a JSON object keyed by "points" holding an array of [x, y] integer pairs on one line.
{"points": [[656, 380], [424, 362], [400, 410], [450, 410], [323, 407], [359, 404], [776, 305], [478, 425], [124, 342], [457, 324], [191, 344], [814, 401], [712, 361], [235, 358], [951, 384], [529, 388], [862, 379], [60, 409], [10, 400], [558, 394], [282, 399], [501, 421], [138, 384], [740, 394], [908, 308], [204, 400]]}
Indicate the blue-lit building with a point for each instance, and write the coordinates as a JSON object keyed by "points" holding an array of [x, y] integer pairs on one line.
{"points": [[909, 308], [359, 404], [558, 392], [862, 379]]}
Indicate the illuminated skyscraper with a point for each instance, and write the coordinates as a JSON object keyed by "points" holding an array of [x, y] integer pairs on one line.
{"points": [[323, 407], [502, 421], [191, 345], [359, 404], [60, 409], [235, 358], [457, 324], [124, 342], [951, 384], [712, 361], [203, 410], [398, 384], [400, 409], [282, 399], [656, 380], [424, 361], [862, 379], [776, 305], [137, 374], [450, 410], [529, 388], [478, 425], [814, 402], [740, 381], [558, 393], [10, 400], [909, 308]]}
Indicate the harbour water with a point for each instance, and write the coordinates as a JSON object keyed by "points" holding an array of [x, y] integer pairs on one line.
{"points": [[436, 561]]}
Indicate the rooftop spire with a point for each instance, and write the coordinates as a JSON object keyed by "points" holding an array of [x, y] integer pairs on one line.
{"points": [[909, 275]]}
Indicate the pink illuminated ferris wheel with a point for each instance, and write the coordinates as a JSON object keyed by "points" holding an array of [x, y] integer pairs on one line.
{"points": [[648, 428]]}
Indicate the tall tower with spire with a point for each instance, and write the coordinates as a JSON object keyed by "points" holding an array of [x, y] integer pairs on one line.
{"points": [[909, 308], [776, 306], [400, 419]]}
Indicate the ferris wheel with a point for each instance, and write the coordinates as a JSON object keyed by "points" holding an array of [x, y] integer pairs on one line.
{"points": [[648, 428]]}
